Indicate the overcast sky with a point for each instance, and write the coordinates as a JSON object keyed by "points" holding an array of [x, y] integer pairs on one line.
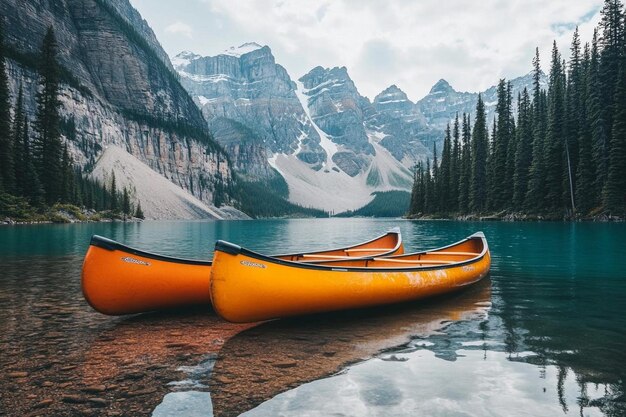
{"points": [[410, 43]]}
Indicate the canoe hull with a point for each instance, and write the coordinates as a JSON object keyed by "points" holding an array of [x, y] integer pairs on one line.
{"points": [[115, 282], [245, 288]]}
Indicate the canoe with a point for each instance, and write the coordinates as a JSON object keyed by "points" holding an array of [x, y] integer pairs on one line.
{"points": [[117, 279], [247, 286]]}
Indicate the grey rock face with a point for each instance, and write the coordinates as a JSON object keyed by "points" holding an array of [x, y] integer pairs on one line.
{"points": [[401, 125], [337, 107], [245, 149], [120, 89], [246, 86], [339, 110], [443, 102]]}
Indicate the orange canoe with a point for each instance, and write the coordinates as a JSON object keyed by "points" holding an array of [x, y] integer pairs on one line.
{"points": [[247, 286], [117, 279]]}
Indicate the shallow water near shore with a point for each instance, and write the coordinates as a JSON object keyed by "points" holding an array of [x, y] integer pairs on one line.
{"points": [[545, 335]]}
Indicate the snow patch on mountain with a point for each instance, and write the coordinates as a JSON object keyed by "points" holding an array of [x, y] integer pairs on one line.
{"points": [[325, 189], [328, 145], [183, 59], [243, 49]]}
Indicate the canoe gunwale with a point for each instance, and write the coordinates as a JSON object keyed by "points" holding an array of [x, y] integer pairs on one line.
{"points": [[395, 230], [112, 245], [232, 249]]}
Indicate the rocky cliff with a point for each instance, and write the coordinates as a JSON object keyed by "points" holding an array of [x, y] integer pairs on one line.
{"points": [[443, 102], [118, 89], [250, 103], [336, 106], [401, 126]]}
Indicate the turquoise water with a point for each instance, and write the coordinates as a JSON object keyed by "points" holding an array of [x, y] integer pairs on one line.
{"points": [[545, 336]]}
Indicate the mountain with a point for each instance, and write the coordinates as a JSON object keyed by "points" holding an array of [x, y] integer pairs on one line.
{"points": [[443, 102], [118, 88], [250, 104], [402, 127], [313, 132]]}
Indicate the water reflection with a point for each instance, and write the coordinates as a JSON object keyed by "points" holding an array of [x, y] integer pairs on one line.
{"points": [[552, 318], [477, 384], [261, 362]]}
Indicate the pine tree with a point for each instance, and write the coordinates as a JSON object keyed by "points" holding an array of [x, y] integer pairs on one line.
{"points": [[139, 213], [614, 193], [595, 110], [480, 143], [49, 149], [523, 152], [7, 174], [436, 185], [491, 157], [466, 167], [574, 97], [536, 183], [500, 144], [113, 193], [417, 193], [33, 190], [510, 151], [125, 202], [18, 149], [67, 176], [444, 172], [555, 138], [611, 38], [585, 172], [428, 189], [455, 167]]}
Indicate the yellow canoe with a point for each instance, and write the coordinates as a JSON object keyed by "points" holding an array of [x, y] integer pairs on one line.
{"points": [[247, 286], [117, 279]]}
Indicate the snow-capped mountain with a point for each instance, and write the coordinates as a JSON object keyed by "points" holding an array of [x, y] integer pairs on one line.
{"points": [[313, 132], [251, 106], [333, 146], [401, 126], [443, 102]]}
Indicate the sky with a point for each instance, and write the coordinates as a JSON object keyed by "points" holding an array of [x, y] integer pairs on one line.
{"points": [[410, 43]]}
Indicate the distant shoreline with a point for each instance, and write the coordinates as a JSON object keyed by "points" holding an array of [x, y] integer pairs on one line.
{"points": [[519, 217], [67, 214], [11, 222]]}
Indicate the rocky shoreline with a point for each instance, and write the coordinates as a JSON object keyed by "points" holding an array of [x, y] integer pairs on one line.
{"points": [[518, 217], [69, 214]]}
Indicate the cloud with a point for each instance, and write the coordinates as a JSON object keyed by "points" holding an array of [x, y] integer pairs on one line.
{"points": [[180, 28], [382, 42]]}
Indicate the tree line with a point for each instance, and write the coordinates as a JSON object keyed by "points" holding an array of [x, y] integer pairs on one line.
{"points": [[36, 168], [563, 154]]}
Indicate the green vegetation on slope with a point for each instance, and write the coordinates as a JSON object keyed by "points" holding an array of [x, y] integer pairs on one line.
{"points": [[259, 200], [384, 204]]}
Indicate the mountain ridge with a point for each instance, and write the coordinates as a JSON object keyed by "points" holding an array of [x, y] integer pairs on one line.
{"points": [[318, 125]]}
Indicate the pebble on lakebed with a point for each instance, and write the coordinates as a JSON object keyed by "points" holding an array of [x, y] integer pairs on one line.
{"points": [[90, 364]]}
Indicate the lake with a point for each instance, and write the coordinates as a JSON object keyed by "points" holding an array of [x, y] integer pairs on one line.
{"points": [[545, 335]]}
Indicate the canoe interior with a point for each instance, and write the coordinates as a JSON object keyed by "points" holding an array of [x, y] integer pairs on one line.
{"points": [[460, 252], [387, 244]]}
